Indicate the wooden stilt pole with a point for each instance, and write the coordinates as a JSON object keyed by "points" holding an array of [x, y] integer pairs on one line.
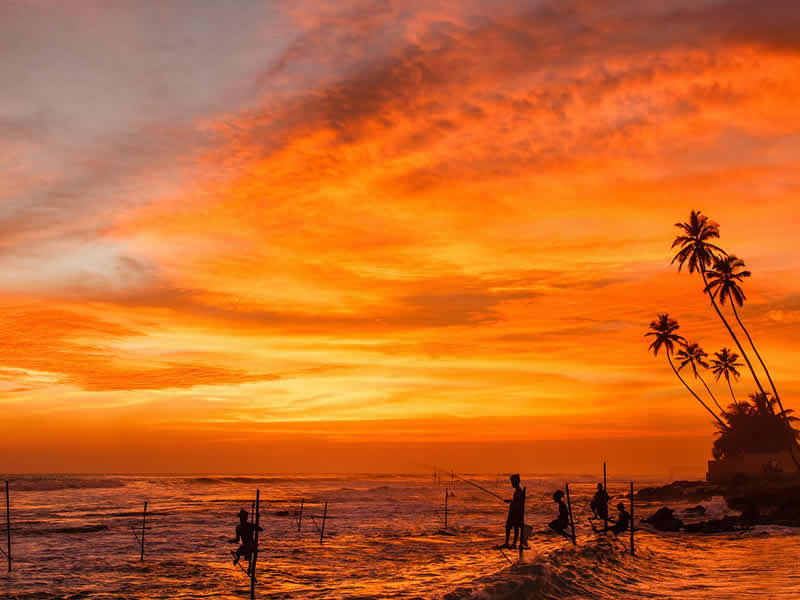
{"points": [[144, 521], [8, 530], [605, 489], [633, 548], [254, 556], [446, 494], [523, 540], [300, 516], [571, 521], [324, 517]]}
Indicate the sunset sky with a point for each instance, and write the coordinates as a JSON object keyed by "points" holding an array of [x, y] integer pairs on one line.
{"points": [[383, 235]]}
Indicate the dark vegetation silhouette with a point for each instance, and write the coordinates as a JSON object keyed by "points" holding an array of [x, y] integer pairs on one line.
{"points": [[754, 426], [760, 424]]}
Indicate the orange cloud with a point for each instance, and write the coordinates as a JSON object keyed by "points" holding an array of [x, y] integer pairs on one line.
{"points": [[415, 222]]}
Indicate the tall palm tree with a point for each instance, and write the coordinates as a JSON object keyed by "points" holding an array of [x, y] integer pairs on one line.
{"points": [[699, 253], [724, 365], [694, 356], [723, 281], [663, 330]]}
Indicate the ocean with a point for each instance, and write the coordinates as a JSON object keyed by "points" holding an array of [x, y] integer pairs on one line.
{"points": [[384, 538]]}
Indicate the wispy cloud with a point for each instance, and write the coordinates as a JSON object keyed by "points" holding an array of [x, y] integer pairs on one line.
{"points": [[405, 212]]}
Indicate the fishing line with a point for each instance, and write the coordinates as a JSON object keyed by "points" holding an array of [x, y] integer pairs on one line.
{"points": [[480, 487]]}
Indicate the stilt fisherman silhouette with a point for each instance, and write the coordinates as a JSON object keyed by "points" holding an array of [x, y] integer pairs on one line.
{"points": [[516, 513], [244, 534]]}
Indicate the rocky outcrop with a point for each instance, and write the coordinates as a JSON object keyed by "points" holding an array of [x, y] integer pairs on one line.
{"points": [[687, 491], [761, 501]]}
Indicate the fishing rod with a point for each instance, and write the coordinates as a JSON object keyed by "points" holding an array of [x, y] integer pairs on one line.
{"points": [[472, 483], [480, 487]]}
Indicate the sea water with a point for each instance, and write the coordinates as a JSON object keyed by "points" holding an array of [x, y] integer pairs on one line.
{"points": [[384, 538]]}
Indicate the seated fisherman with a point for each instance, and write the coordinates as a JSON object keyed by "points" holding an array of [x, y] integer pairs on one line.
{"points": [[245, 533], [622, 521]]}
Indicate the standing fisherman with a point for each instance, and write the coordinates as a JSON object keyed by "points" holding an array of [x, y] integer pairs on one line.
{"points": [[516, 512]]}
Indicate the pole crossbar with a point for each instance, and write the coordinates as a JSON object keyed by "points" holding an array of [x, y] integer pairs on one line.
{"points": [[314, 521], [621, 543], [142, 529], [506, 557]]}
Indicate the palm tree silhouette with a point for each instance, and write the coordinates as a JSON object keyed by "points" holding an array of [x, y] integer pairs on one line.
{"points": [[699, 254], [695, 245], [663, 329], [694, 356], [724, 365], [723, 281]]}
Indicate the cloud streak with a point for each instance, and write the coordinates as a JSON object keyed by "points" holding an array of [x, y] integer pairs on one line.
{"points": [[406, 213]]}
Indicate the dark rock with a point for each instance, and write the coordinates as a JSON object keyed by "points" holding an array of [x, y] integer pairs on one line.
{"points": [[722, 525], [787, 515], [660, 515], [762, 494], [664, 520], [696, 511]]}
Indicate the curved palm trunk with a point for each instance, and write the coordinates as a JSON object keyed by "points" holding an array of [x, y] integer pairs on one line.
{"points": [[730, 387], [753, 346], [710, 393], [691, 391], [728, 327], [793, 446]]}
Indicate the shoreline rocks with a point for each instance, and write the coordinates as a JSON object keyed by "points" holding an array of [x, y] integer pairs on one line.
{"points": [[689, 491], [762, 501]]}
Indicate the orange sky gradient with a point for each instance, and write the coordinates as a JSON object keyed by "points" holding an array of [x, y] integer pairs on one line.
{"points": [[378, 236]]}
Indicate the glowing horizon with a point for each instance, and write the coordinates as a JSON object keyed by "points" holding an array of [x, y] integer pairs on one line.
{"points": [[429, 222]]}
